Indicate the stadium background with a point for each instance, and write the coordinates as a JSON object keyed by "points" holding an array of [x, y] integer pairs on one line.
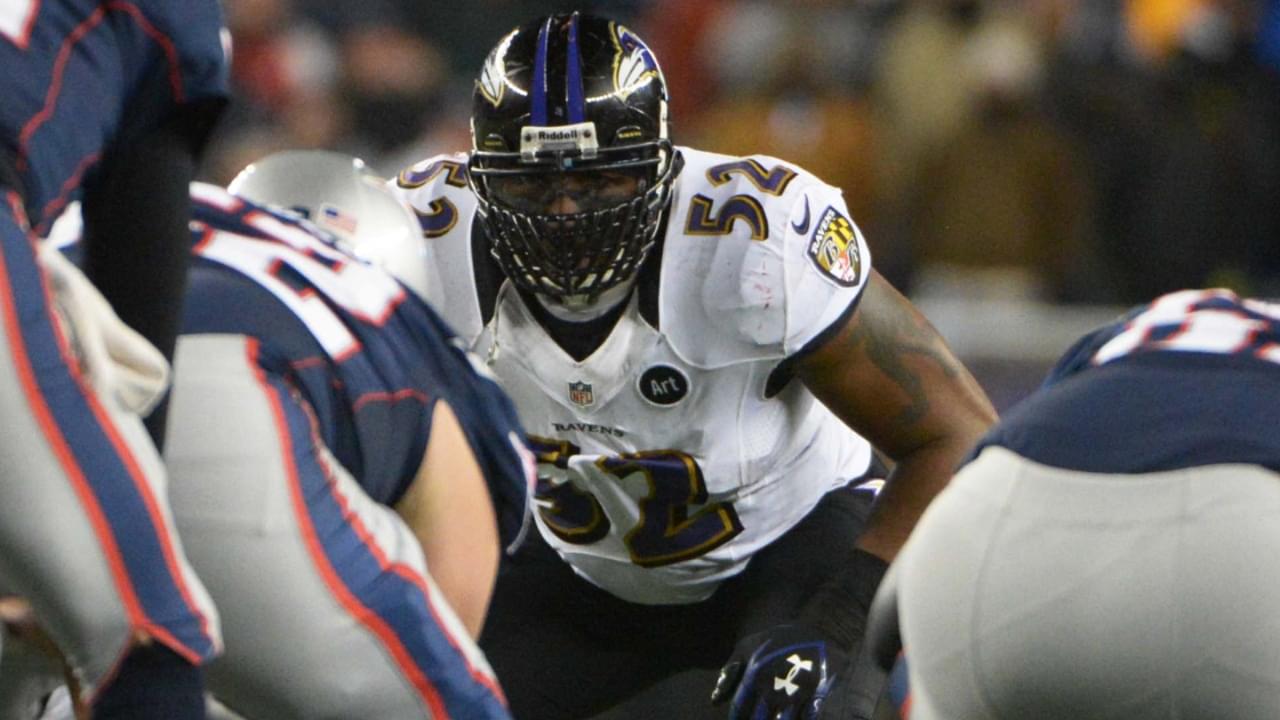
{"points": [[1023, 169]]}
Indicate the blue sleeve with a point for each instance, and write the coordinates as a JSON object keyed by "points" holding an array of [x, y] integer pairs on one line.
{"points": [[1080, 355], [195, 31]]}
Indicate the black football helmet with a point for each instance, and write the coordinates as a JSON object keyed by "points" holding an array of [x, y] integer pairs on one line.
{"points": [[571, 106]]}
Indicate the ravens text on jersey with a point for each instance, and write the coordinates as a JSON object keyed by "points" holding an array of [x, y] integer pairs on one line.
{"points": [[702, 353]]}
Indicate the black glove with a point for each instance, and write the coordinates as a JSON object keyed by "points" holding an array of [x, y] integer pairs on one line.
{"points": [[783, 673], [760, 674]]}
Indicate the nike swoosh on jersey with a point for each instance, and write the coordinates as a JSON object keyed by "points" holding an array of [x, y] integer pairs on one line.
{"points": [[803, 226]]}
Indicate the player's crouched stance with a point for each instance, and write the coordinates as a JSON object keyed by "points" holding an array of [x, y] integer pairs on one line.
{"points": [[704, 356], [108, 104], [329, 445], [85, 610], [1109, 551], [333, 613]]}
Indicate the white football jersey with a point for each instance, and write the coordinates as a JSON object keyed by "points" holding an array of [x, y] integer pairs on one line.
{"points": [[663, 463]]}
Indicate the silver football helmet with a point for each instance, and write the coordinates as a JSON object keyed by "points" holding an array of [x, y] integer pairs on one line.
{"points": [[340, 194]]}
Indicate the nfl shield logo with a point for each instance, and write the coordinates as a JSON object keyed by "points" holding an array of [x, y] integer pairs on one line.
{"points": [[581, 395]]}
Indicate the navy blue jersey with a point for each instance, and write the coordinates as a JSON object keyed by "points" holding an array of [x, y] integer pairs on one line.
{"points": [[1191, 379], [82, 74], [368, 357]]}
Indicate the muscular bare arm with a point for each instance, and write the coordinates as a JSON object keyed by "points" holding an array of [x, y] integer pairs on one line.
{"points": [[889, 375], [449, 510]]}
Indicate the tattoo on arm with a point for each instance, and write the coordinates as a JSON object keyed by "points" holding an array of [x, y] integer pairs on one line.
{"points": [[888, 333]]}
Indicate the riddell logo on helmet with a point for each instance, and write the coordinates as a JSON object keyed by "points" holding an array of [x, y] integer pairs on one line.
{"points": [[536, 138], [554, 135]]}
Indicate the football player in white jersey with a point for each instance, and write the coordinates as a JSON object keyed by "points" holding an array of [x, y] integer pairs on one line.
{"points": [[705, 358]]}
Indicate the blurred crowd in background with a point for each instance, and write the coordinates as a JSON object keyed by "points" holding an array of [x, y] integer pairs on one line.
{"points": [[1061, 151]]}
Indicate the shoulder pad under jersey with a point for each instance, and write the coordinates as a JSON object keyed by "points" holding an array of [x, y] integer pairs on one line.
{"points": [[760, 256], [437, 190]]}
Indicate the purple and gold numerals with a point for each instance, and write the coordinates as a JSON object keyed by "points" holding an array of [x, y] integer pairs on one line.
{"points": [[572, 514], [772, 181], [441, 214], [667, 533], [455, 174], [669, 529], [705, 219], [440, 217]]}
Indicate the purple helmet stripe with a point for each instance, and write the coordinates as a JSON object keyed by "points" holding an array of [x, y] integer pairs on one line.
{"points": [[573, 75], [538, 101]]}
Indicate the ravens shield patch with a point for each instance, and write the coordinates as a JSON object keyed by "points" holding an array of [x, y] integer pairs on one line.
{"points": [[834, 249]]}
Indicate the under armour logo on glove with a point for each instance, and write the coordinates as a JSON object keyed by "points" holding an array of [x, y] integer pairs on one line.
{"points": [[783, 673], [797, 664]]}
